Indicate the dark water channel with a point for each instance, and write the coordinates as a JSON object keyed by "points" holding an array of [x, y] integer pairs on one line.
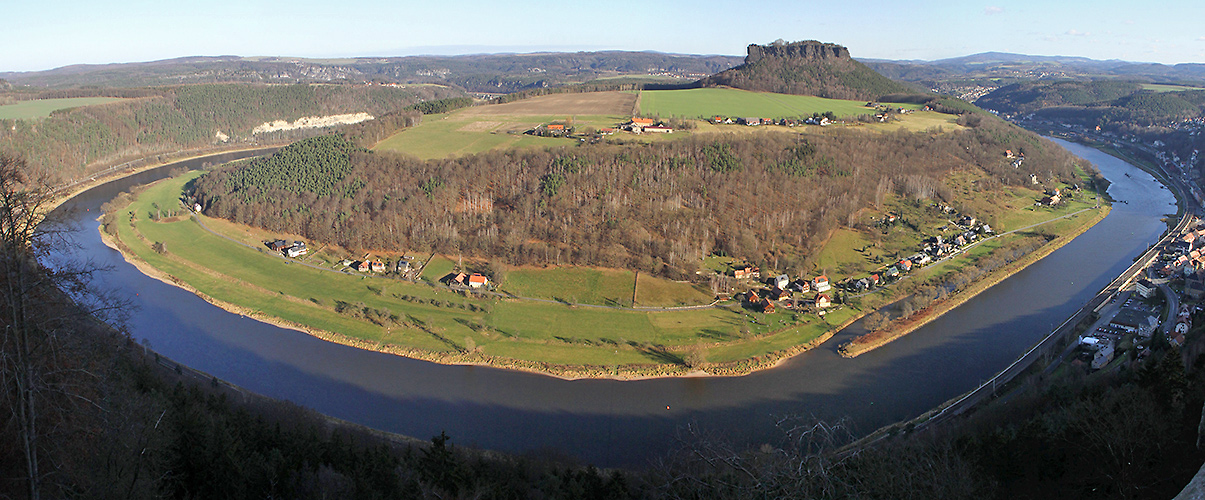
{"points": [[611, 423]]}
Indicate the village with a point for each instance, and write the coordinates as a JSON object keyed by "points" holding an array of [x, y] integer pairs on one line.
{"points": [[403, 267], [819, 294], [638, 125], [1160, 307]]}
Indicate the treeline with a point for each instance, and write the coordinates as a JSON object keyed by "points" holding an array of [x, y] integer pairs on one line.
{"points": [[75, 142], [367, 134], [654, 207], [1028, 97], [441, 105]]}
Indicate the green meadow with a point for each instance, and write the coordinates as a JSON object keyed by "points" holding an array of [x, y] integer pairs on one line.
{"points": [[452, 134], [1161, 87], [42, 108], [707, 102]]}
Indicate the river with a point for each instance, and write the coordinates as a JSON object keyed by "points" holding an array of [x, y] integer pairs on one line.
{"points": [[627, 423]]}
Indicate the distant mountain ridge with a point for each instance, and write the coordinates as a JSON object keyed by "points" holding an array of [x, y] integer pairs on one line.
{"points": [[806, 68], [1010, 65], [484, 73]]}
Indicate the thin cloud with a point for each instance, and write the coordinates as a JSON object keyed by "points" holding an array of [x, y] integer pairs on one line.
{"points": [[1078, 33], [993, 10], [1201, 39]]}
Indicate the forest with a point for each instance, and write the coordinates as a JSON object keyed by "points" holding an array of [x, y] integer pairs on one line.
{"points": [[657, 208], [75, 142], [1105, 103]]}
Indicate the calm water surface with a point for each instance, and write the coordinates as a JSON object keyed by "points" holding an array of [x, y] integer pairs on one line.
{"points": [[612, 423]]}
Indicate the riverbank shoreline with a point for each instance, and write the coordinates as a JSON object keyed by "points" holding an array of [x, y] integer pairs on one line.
{"points": [[473, 357], [853, 348], [64, 193]]}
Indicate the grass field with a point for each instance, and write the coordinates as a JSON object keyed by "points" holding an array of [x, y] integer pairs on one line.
{"points": [[43, 107], [582, 285], [455, 134], [696, 103], [502, 126], [1160, 87]]}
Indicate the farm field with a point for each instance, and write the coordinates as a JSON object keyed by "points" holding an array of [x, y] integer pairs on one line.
{"points": [[1161, 87], [702, 103], [501, 126], [42, 108]]}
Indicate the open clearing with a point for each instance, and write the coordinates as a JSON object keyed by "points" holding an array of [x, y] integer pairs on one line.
{"points": [[43, 107]]}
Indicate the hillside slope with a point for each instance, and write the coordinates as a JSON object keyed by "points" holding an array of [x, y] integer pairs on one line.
{"points": [[79, 141]]}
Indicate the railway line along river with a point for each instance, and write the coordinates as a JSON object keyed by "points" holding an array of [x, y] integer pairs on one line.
{"points": [[618, 423]]}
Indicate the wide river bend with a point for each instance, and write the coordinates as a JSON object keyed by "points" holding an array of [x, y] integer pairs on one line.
{"points": [[625, 423]]}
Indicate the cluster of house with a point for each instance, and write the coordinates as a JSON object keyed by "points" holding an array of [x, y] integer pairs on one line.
{"points": [[1053, 197], [1185, 255], [782, 290], [883, 112], [474, 280], [295, 249], [552, 130], [1017, 159], [638, 125], [781, 287], [370, 265], [968, 228], [753, 121]]}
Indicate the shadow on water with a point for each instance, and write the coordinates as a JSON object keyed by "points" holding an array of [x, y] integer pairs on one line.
{"points": [[608, 422]]}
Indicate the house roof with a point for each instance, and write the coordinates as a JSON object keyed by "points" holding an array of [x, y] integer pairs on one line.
{"points": [[643, 121], [477, 279]]}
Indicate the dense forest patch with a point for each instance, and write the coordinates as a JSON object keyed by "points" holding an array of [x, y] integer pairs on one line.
{"points": [[657, 207]]}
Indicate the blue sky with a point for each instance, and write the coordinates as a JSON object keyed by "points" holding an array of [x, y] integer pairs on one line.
{"points": [[41, 35]]}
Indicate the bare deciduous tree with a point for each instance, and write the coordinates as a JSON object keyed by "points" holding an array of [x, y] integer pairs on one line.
{"points": [[42, 302]]}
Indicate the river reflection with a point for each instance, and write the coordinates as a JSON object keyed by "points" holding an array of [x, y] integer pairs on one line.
{"points": [[611, 423]]}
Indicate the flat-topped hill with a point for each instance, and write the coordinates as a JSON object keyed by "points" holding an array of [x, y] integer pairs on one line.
{"points": [[806, 68]]}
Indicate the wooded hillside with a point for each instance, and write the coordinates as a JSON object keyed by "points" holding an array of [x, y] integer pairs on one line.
{"points": [[74, 142], [658, 207]]}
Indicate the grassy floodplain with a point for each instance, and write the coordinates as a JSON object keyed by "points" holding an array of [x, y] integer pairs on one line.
{"points": [[42, 108], [438, 324]]}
